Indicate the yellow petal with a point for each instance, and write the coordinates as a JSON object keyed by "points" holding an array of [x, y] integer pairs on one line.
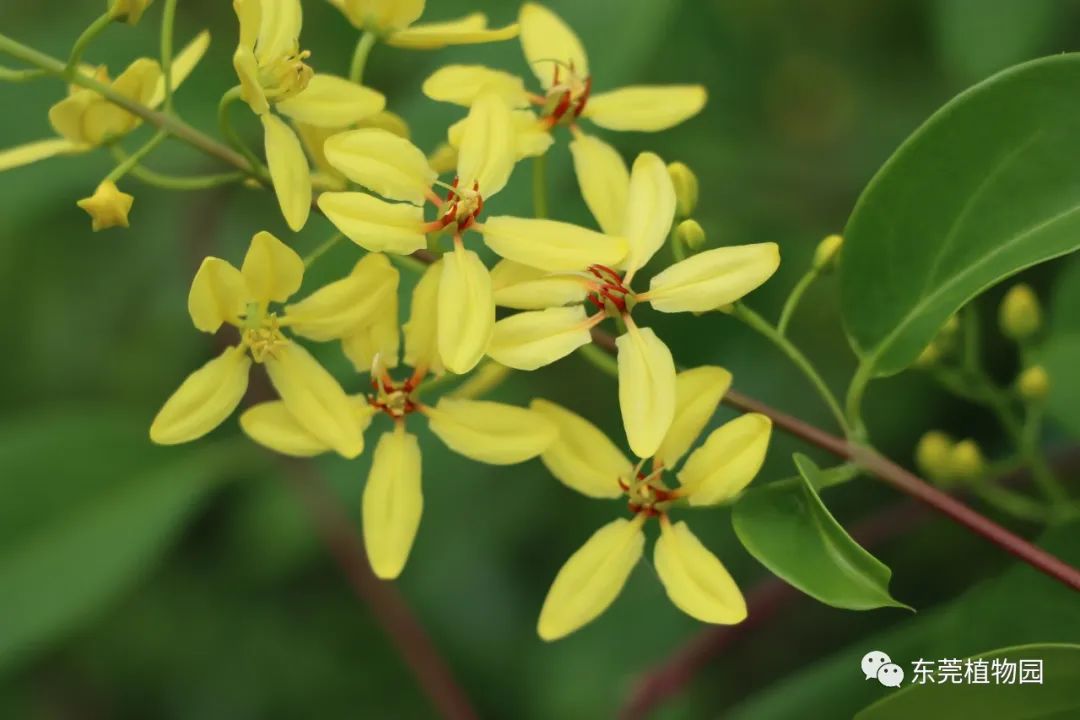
{"points": [[313, 139], [491, 432], [204, 399], [463, 84], [249, 14], [272, 269], [526, 288], [382, 162], [314, 398], [331, 101], [551, 245], [592, 578], [646, 108], [488, 148], [422, 330], [374, 224], [340, 308], [548, 43], [646, 389], [695, 580], [91, 119], [247, 71], [288, 170], [392, 503], [466, 310], [532, 137], [381, 338], [66, 117], [727, 462], [272, 425], [381, 15], [714, 278], [33, 152], [219, 294], [182, 65], [279, 29], [650, 210], [698, 391], [603, 179], [531, 340], [469, 30], [582, 458]]}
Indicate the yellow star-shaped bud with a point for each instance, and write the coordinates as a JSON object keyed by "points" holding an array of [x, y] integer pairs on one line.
{"points": [[107, 207]]}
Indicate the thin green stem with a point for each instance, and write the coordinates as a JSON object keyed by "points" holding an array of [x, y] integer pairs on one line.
{"points": [[864, 373], [176, 127], [175, 182], [766, 330], [360, 56], [678, 247], [168, 20], [603, 361], [11, 75], [971, 338], [83, 42], [792, 302], [539, 186], [322, 249], [136, 157], [408, 262], [233, 138]]}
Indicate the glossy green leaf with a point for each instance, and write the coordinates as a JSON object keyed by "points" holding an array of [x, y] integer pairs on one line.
{"points": [[1056, 697], [988, 186], [790, 531], [87, 506], [1061, 353]]}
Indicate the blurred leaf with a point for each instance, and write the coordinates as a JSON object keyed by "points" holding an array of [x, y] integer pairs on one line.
{"points": [[87, 511], [1061, 354], [790, 531], [980, 37], [1021, 606], [1054, 697], [985, 188]]}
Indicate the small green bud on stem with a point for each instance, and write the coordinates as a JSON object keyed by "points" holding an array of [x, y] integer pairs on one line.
{"points": [[686, 188], [1033, 384], [827, 253], [1020, 316], [690, 234]]}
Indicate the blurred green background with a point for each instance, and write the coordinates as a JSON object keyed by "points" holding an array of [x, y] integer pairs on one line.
{"points": [[138, 581]]}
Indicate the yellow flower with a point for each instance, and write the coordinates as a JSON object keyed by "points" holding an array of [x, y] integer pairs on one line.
{"points": [[487, 432], [558, 59], [637, 206], [585, 460], [128, 10], [272, 273], [107, 207], [85, 120], [273, 74], [395, 22], [394, 168]]}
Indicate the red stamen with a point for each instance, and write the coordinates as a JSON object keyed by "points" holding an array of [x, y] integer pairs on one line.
{"points": [[579, 107]]}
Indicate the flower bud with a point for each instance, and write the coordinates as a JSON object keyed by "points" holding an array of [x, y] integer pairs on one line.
{"points": [[965, 461], [929, 356], [827, 253], [690, 234], [107, 207], [932, 455], [686, 188], [128, 10], [1033, 384], [1020, 316]]}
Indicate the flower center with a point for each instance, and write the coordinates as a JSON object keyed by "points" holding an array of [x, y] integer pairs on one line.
{"points": [[647, 493], [463, 206], [286, 76], [262, 336], [610, 294], [393, 398], [566, 98]]}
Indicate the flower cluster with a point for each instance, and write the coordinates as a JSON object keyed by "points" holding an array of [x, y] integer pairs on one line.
{"points": [[330, 144]]}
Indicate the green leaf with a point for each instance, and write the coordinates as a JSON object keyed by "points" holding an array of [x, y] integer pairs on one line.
{"points": [[1061, 353], [790, 531], [86, 505], [987, 187], [1055, 697]]}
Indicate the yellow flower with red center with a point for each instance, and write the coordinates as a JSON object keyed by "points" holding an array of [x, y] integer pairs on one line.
{"points": [[640, 207], [397, 170], [395, 22], [558, 59], [271, 273], [274, 74], [487, 432]]}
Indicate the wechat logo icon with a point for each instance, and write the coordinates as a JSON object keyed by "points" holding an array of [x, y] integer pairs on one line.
{"points": [[877, 665]]}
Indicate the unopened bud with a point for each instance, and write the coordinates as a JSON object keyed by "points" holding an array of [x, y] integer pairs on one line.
{"points": [[444, 159], [686, 188], [690, 234], [966, 461], [827, 253], [1033, 384], [929, 356], [950, 327], [128, 10], [1020, 316], [107, 207], [932, 455]]}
